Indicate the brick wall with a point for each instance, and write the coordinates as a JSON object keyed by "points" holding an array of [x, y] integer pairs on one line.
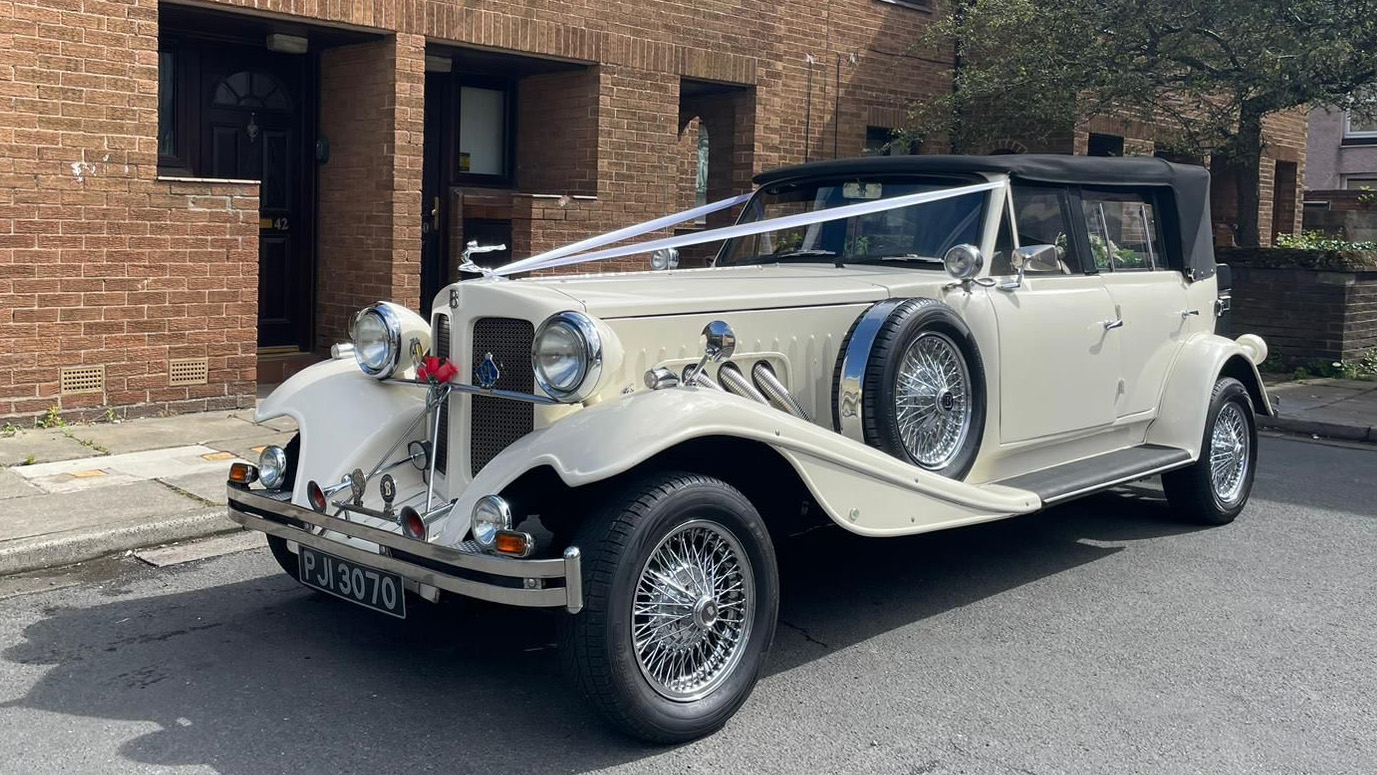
{"points": [[369, 202], [101, 263], [1306, 304], [557, 134]]}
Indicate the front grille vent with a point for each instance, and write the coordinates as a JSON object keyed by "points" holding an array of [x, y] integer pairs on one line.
{"points": [[497, 422], [439, 346]]}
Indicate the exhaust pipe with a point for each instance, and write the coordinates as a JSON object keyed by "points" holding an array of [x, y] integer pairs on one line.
{"points": [[774, 390], [735, 382]]}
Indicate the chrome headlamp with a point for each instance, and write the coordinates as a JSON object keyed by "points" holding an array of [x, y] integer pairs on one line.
{"points": [[963, 262], [272, 467], [491, 514], [567, 356], [376, 333]]}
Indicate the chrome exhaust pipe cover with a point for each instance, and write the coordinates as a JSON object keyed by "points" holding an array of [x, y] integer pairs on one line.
{"points": [[735, 382], [774, 390]]}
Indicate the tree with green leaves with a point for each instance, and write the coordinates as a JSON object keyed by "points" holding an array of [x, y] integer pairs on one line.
{"points": [[1206, 72]]}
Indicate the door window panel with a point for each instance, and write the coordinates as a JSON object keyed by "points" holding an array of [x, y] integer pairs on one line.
{"points": [[482, 131], [1042, 217], [1123, 231]]}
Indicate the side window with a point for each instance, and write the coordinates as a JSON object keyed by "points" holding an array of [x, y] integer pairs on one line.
{"points": [[1123, 231], [1042, 216]]}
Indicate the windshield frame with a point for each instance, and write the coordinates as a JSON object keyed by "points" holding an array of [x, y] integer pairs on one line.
{"points": [[992, 208]]}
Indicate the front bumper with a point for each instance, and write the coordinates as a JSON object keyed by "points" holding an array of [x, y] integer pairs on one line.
{"points": [[461, 570]]}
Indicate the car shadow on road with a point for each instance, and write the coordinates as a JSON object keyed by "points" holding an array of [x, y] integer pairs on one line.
{"points": [[263, 676]]}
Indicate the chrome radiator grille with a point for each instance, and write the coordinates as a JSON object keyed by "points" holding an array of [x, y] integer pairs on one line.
{"points": [[439, 340], [497, 422]]}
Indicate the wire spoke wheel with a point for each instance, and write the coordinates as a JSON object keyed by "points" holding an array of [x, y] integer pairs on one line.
{"points": [[932, 399], [1229, 452], [692, 611]]}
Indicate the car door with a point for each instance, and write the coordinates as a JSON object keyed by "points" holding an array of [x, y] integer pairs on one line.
{"points": [[1147, 285], [1058, 360]]}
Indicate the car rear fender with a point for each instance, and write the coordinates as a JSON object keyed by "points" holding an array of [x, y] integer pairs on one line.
{"points": [[1186, 399], [862, 489]]}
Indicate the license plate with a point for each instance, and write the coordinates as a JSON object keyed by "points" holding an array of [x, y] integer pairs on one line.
{"points": [[370, 588]]}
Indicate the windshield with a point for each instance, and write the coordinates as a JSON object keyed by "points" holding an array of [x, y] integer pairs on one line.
{"points": [[919, 233]]}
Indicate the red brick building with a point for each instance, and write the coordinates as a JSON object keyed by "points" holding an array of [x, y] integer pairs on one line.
{"points": [[193, 196]]}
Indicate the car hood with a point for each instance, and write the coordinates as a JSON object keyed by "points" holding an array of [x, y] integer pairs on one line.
{"points": [[688, 291]]}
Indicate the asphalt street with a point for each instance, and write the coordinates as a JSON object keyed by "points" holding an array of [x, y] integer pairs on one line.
{"points": [[1099, 637]]}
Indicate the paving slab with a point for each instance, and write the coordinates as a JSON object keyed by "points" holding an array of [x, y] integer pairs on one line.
{"points": [[42, 444], [249, 446], [13, 485], [100, 472], [277, 423], [50, 513], [159, 432], [191, 551], [209, 486]]}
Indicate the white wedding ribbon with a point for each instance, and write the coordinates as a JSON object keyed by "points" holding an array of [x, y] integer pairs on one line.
{"points": [[628, 232], [729, 232]]}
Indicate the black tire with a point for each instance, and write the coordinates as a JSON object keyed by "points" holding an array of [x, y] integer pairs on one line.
{"points": [[905, 324], [596, 645], [1191, 490], [278, 546]]}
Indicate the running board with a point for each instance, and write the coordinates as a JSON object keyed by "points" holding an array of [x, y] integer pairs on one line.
{"points": [[1082, 477]]}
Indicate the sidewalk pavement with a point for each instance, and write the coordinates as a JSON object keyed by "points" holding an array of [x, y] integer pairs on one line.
{"points": [[1331, 408], [79, 492]]}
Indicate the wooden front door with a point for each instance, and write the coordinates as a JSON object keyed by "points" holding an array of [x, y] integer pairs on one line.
{"points": [[254, 128]]}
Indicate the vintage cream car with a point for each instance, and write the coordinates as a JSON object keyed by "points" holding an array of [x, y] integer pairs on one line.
{"points": [[894, 345]]}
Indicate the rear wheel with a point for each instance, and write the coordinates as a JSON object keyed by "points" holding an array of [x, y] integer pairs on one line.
{"points": [[1215, 488], [680, 600]]}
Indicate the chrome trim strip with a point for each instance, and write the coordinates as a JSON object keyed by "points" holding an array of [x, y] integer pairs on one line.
{"points": [[481, 563], [851, 381], [458, 387], [1116, 482]]}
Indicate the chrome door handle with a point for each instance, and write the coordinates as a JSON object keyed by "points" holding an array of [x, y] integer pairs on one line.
{"points": [[1185, 313], [1110, 325]]}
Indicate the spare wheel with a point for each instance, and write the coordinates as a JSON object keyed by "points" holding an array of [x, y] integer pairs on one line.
{"points": [[909, 380]]}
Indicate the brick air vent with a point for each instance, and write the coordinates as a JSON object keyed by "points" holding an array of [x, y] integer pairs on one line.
{"points": [[83, 379], [187, 371]]}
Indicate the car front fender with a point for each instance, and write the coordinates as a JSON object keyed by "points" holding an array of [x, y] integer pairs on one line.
{"points": [[1186, 398], [861, 488], [347, 419]]}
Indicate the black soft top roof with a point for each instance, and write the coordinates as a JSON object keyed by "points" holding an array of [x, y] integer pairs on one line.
{"points": [[1189, 184]]}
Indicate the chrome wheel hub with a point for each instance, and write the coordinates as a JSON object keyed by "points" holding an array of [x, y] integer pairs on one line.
{"points": [[1229, 452], [932, 396], [692, 611]]}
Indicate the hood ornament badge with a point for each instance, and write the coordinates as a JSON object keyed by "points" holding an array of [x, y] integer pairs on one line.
{"points": [[486, 373]]}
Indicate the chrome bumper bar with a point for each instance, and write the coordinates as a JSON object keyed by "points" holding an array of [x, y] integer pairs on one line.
{"points": [[457, 570]]}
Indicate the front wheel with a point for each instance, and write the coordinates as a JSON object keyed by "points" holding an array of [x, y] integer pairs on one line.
{"points": [[681, 596], [1215, 488]]}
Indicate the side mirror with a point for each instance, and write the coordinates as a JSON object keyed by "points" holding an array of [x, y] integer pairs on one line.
{"points": [[720, 344], [1037, 258], [1031, 258], [721, 341]]}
